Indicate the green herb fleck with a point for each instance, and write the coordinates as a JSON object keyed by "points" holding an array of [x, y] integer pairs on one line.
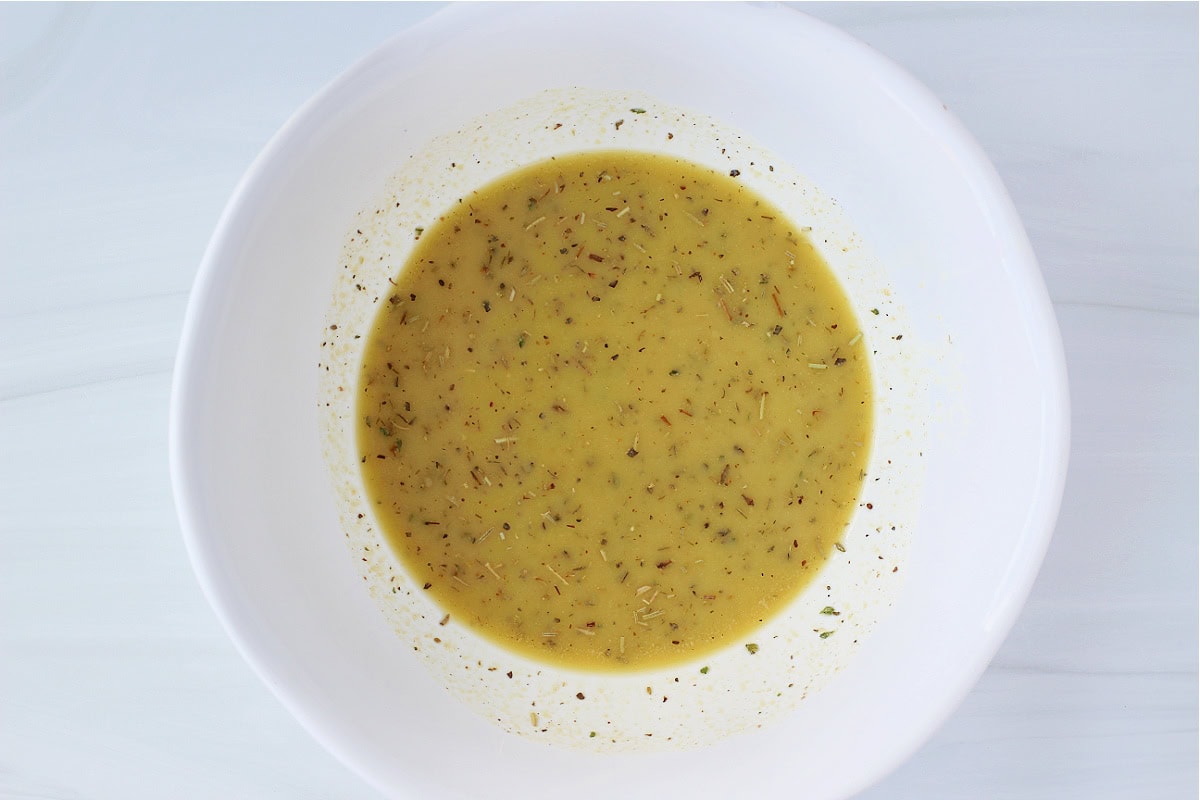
{"points": [[829, 610], [841, 548], [385, 431], [875, 311], [704, 670], [752, 648], [638, 110], [532, 203], [826, 634], [592, 735], [673, 372], [520, 341], [418, 232]]}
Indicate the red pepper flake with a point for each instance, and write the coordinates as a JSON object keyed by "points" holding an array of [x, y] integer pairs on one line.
{"points": [[663, 564], [664, 419], [595, 257]]}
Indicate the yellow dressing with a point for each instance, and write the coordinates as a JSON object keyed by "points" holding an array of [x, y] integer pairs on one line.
{"points": [[615, 412]]}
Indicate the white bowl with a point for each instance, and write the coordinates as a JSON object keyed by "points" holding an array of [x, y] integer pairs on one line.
{"points": [[973, 405]]}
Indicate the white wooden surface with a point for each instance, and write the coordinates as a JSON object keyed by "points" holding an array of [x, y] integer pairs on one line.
{"points": [[123, 130]]}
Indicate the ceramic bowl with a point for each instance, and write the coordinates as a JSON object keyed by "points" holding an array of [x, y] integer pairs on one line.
{"points": [[972, 423]]}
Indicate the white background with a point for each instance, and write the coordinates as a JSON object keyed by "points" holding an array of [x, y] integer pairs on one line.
{"points": [[123, 130]]}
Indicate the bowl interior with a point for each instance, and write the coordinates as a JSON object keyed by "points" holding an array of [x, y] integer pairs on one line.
{"points": [[255, 501]]}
